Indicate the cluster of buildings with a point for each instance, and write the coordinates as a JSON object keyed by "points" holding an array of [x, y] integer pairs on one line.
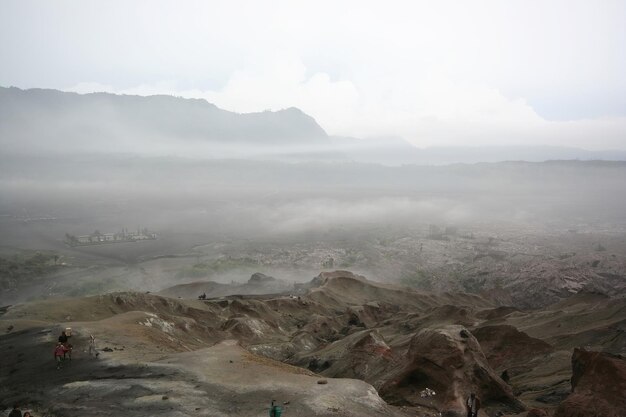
{"points": [[97, 238]]}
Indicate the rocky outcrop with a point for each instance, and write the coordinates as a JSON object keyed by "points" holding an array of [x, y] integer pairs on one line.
{"points": [[450, 361], [259, 278], [414, 347], [363, 355], [598, 386], [505, 346]]}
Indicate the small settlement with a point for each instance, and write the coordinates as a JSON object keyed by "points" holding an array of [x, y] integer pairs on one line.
{"points": [[97, 238]]}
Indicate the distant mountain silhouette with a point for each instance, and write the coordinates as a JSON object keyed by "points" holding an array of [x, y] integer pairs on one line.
{"points": [[39, 119], [40, 122]]}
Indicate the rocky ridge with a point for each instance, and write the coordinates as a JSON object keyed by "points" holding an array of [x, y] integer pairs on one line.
{"points": [[402, 344]]}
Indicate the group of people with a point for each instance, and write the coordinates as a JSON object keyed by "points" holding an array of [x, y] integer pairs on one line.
{"points": [[63, 349], [16, 412]]}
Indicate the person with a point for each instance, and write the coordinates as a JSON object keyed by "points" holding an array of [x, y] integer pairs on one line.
{"points": [[63, 339], [59, 354], [67, 350], [275, 410], [92, 346], [16, 411], [473, 405]]}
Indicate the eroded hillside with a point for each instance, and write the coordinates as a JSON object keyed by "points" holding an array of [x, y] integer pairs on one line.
{"points": [[339, 345]]}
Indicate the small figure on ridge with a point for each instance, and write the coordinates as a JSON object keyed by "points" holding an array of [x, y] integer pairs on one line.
{"points": [[473, 405]]}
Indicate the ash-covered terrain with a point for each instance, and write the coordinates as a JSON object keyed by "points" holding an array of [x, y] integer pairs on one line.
{"points": [[331, 285], [338, 345]]}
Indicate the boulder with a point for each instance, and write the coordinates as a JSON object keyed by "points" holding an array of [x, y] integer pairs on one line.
{"points": [[598, 386], [450, 361]]}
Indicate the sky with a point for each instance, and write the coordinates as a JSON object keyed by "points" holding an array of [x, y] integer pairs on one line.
{"points": [[437, 73]]}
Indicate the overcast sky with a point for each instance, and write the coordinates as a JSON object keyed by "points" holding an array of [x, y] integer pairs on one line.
{"points": [[434, 72]]}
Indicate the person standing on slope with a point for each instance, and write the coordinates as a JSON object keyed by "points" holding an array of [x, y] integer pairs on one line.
{"points": [[64, 340], [92, 346], [473, 405], [59, 354]]}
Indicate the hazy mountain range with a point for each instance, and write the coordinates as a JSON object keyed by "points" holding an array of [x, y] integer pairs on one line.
{"points": [[39, 121], [36, 120]]}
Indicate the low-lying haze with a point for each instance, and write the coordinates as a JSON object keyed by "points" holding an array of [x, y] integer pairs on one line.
{"points": [[229, 204]]}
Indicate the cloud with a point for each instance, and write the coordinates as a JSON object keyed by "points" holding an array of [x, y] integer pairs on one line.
{"points": [[428, 108], [323, 214], [436, 73]]}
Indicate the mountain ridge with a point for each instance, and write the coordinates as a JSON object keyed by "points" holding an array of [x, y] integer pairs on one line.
{"points": [[39, 121], [108, 122]]}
